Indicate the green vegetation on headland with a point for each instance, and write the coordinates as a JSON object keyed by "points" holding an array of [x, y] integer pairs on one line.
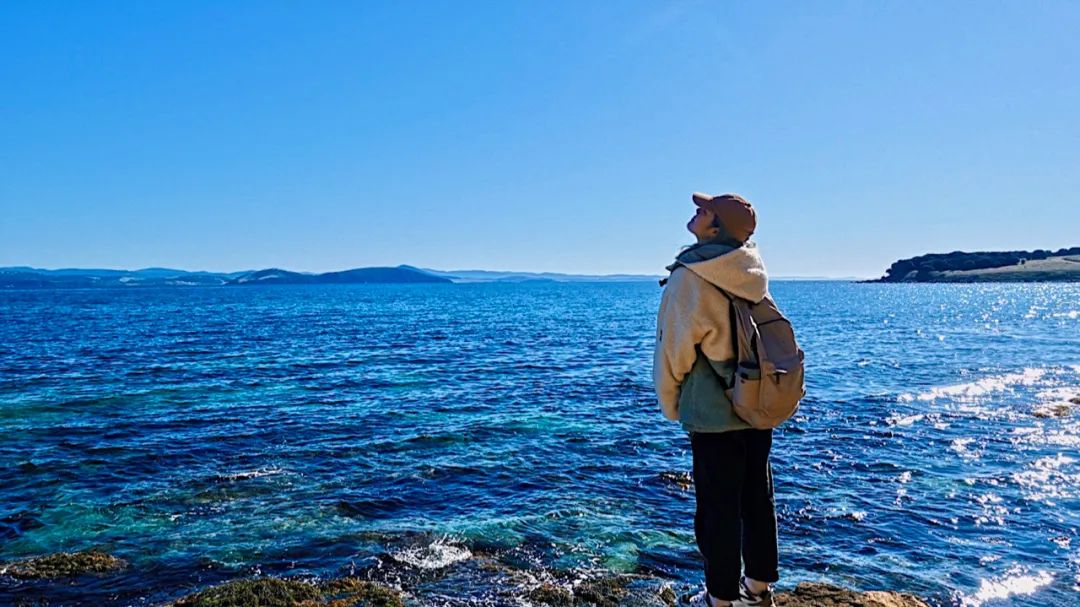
{"points": [[1041, 265], [25, 277], [390, 585]]}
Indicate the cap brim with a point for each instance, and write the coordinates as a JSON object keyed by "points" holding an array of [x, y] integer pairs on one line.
{"points": [[700, 198]]}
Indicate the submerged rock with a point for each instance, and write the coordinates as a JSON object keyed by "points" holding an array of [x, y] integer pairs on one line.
{"points": [[264, 592], [18, 523], [1052, 410], [604, 592], [464, 573], [682, 480], [809, 594], [610, 590], [457, 574], [294, 592], [355, 591], [552, 594], [63, 564]]}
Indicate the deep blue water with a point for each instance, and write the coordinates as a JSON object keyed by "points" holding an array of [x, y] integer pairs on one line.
{"points": [[208, 433]]}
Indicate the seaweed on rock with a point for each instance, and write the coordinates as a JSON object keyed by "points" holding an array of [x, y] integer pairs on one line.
{"points": [[294, 592], [64, 564]]}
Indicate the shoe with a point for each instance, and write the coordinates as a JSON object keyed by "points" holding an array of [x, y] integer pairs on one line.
{"points": [[749, 599], [700, 599], [694, 600]]}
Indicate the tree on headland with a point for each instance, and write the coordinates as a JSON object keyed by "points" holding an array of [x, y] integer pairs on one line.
{"points": [[931, 266]]}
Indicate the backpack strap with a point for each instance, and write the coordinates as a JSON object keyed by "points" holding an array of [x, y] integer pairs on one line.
{"points": [[733, 327]]}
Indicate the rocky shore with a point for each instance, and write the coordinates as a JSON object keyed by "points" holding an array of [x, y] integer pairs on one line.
{"points": [[396, 581]]}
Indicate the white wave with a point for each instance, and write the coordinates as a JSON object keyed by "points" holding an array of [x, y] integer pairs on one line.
{"points": [[1061, 438], [436, 555], [981, 387], [960, 446], [1049, 478], [246, 474], [1059, 394], [897, 420], [1011, 584]]}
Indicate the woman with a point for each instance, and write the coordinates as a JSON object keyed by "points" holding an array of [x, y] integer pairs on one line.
{"points": [[693, 363]]}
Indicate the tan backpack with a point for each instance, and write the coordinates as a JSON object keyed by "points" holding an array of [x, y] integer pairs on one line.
{"points": [[769, 377]]}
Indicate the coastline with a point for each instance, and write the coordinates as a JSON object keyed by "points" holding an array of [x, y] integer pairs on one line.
{"points": [[399, 578], [1008, 266]]}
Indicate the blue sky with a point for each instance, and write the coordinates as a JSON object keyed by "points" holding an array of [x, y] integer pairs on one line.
{"points": [[543, 136]]}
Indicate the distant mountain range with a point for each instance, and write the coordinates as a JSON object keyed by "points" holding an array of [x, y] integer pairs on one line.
{"points": [[25, 277], [1040, 265]]}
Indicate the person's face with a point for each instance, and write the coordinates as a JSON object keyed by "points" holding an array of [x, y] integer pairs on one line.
{"points": [[700, 224]]}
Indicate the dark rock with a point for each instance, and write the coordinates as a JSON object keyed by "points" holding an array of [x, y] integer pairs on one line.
{"points": [[602, 592], [355, 591], [1052, 410], [260, 592], [552, 594], [613, 590], [682, 480], [489, 577], [64, 564], [294, 592], [809, 594]]}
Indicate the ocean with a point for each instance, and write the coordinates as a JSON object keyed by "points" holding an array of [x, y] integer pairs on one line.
{"points": [[205, 434]]}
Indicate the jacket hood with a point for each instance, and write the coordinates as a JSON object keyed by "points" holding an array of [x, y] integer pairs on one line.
{"points": [[739, 271]]}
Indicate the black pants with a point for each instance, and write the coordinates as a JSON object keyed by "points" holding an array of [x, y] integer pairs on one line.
{"points": [[736, 514]]}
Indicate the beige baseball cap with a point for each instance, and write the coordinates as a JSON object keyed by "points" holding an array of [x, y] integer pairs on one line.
{"points": [[734, 211]]}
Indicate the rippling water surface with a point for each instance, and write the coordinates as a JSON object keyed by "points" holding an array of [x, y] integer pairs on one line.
{"points": [[208, 433]]}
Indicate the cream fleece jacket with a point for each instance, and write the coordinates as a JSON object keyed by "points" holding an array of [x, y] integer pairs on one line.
{"points": [[694, 312]]}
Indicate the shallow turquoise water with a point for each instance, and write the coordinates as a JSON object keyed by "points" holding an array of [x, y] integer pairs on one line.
{"points": [[207, 433]]}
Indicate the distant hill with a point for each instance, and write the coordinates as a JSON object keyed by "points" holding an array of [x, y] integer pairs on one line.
{"points": [[356, 276], [1040, 265], [26, 277]]}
